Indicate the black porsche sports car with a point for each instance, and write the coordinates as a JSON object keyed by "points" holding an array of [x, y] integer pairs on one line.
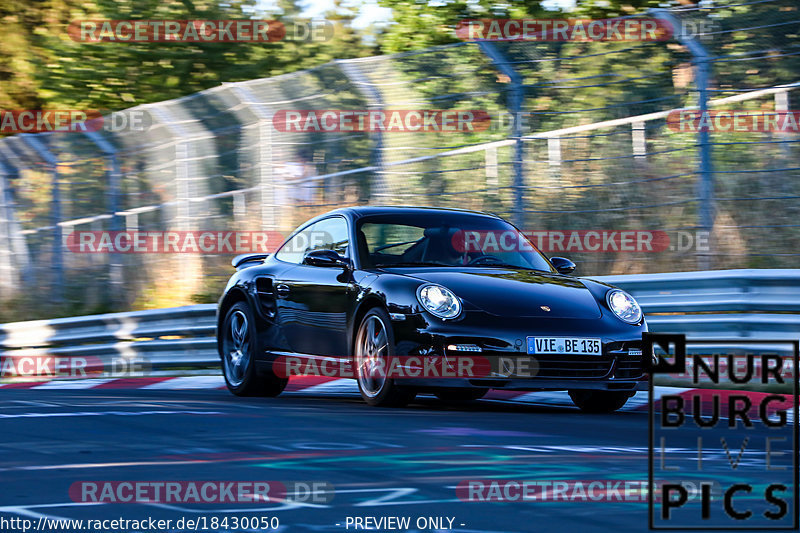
{"points": [[413, 299]]}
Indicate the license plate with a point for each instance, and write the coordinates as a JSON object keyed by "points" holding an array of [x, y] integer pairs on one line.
{"points": [[564, 345]]}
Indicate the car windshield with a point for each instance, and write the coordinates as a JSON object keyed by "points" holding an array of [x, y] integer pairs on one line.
{"points": [[444, 239]]}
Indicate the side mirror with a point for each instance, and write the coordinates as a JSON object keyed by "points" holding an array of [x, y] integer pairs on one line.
{"points": [[563, 265], [325, 258]]}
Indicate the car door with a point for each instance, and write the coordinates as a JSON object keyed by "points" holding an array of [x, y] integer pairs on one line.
{"points": [[312, 301]]}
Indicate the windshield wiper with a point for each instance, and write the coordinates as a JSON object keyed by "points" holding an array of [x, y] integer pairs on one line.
{"points": [[497, 265], [412, 264], [505, 265]]}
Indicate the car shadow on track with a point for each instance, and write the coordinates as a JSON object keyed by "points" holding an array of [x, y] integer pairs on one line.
{"points": [[431, 404]]}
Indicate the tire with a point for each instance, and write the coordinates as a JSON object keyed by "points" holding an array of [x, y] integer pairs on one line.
{"points": [[599, 401], [238, 347], [373, 344], [460, 395]]}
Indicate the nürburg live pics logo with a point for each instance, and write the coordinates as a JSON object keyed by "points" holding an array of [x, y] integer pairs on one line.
{"points": [[723, 454]]}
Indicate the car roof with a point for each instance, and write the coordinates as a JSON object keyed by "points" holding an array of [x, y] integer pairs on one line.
{"points": [[359, 211]]}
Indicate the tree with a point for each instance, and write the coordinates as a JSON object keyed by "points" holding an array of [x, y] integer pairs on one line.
{"points": [[421, 24], [41, 67]]}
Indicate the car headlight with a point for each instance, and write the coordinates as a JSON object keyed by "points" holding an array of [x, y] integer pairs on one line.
{"points": [[624, 306], [439, 301]]}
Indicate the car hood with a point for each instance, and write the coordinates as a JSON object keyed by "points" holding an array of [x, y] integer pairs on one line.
{"points": [[516, 292]]}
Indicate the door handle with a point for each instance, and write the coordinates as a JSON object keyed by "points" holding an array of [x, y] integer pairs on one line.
{"points": [[282, 289]]}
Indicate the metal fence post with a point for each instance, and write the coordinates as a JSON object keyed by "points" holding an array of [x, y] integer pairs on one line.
{"points": [[639, 139], [492, 176], [705, 189], [374, 98], [239, 209], [554, 158], [184, 219], [782, 106], [270, 196], [112, 204], [706, 163], [515, 99], [8, 274], [17, 242], [266, 180], [57, 261]]}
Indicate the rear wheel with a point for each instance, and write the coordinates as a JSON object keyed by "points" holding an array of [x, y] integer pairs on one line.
{"points": [[599, 401], [460, 395], [238, 348], [374, 345]]}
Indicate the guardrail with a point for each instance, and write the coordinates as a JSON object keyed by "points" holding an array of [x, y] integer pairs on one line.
{"points": [[178, 337], [725, 304], [719, 304]]}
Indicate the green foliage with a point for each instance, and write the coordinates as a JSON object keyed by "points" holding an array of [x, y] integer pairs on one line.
{"points": [[420, 24], [42, 67]]}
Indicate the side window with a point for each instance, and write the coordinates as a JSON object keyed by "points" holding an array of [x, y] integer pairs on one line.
{"points": [[295, 248], [328, 234]]}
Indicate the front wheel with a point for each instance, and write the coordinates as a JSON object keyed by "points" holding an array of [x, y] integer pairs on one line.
{"points": [[374, 346], [238, 347], [599, 401]]}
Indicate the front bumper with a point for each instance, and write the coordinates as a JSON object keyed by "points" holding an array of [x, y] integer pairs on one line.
{"points": [[620, 367]]}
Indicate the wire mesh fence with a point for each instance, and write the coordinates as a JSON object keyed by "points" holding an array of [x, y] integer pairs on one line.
{"points": [[581, 139]]}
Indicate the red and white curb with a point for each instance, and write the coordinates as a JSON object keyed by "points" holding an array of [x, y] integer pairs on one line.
{"points": [[322, 386]]}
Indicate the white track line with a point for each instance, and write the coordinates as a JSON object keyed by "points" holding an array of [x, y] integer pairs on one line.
{"points": [[72, 384], [188, 382], [339, 386]]}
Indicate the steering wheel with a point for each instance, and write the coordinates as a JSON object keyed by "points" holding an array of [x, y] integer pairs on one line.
{"points": [[483, 259]]}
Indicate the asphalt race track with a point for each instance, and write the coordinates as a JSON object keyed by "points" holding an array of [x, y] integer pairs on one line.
{"points": [[381, 462]]}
